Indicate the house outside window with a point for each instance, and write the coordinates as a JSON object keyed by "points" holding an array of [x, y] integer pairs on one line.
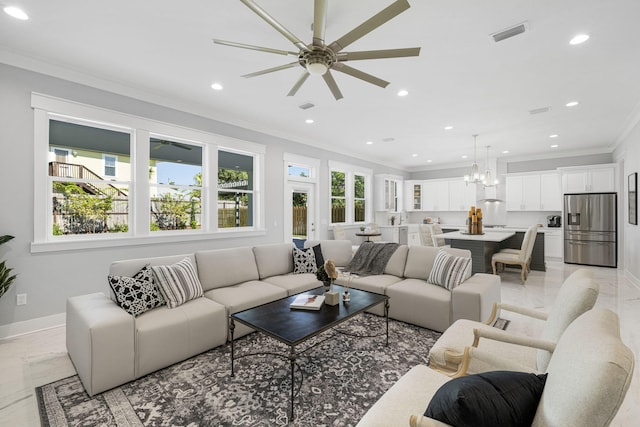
{"points": [[235, 189]]}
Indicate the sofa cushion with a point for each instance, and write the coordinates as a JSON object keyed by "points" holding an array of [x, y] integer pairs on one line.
{"points": [[136, 294], [273, 260], [224, 267], [178, 282], [420, 260], [340, 251], [498, 398], [449, 271], [304, 261], [294, 283], [420, 303], [395, 265]]}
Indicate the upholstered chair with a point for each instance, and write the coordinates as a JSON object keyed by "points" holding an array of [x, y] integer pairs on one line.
{"points": [[425, 234], [521, 257], [436, 232], [530, 245], [577, 294]]}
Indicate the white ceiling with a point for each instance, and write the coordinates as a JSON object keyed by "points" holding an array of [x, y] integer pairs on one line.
{"points": [[162, 51]]}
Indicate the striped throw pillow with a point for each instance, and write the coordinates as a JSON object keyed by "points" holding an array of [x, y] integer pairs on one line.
{"points": [[178, 282], [449, 270]]}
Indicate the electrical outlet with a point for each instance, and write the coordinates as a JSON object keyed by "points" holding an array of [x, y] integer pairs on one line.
{"points": [[21, 299]]}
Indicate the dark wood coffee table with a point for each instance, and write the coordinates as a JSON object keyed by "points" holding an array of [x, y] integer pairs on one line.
{"points": [[293, 327]]}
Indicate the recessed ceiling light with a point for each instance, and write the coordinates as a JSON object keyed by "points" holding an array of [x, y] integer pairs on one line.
{"points": [[216, 86], [309, 121], [553, 135], [403, 92], [16, 13], [448, 127], [580, 38], [369, 142], [571, 104], [505, 152], [554, 146], [464, 157], [429, 161], [414, 155]]}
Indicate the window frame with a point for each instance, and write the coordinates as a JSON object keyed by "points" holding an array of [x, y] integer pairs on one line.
{"points": [[350, 171], [48, 107]]}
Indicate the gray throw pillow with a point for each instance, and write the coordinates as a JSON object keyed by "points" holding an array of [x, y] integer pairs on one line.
{"points": [[178, 283], [449, 270]]}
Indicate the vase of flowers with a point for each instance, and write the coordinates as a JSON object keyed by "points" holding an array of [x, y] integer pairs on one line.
{"points": [[327, 273]]}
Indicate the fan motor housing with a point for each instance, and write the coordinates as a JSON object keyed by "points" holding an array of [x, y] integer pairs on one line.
{"points": [[318, 55]]}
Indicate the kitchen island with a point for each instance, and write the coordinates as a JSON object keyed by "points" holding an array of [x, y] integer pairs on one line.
{"points": [[482, 246]]}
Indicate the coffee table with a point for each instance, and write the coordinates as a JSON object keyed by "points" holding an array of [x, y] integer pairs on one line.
{"points": [[293, 327]]}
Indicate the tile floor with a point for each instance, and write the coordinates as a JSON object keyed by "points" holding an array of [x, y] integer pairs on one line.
{"points": [[39, 358]]}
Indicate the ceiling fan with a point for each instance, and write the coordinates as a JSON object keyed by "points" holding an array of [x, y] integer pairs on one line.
{"points": [[159, 143], [319, 58]]}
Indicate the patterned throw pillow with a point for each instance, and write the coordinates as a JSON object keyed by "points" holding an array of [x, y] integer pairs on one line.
{"points": [[304, 261], [449, 271], [136, 294], [178, 283]]}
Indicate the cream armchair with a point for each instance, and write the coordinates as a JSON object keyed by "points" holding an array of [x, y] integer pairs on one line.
{"points": [[587, 380], [577, 295]]}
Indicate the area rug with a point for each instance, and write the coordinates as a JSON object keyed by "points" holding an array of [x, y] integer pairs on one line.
{"points": [[343, 374]]}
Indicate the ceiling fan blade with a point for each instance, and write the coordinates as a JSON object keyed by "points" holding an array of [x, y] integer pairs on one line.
{"points": [[271, 70], [333, 86], [370, 24], [252, 47], [275, 24], [301, 80], [319, 22], [378, 54], [360, 75]]}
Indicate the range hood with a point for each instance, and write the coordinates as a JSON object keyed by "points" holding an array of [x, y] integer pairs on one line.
{"points": [[490, 195]]}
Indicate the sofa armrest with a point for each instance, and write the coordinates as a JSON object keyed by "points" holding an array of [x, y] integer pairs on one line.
{"points": [[100, 342], [474, 298], [503, 336]]}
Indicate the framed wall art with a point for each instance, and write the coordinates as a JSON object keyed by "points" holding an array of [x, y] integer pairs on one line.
{"points": [[633, 198]]}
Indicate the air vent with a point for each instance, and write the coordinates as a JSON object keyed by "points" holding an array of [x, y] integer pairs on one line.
{"points": [[388, 139], [306, 106], [509, 32], [539, 110]]}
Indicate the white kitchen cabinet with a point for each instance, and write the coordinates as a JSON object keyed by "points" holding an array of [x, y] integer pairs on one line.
{"points": [[413, 195], [533, 192], [551, 192], [461, 195], [413, 235], [553, 243], [435, 195], [388, 193], [590, 179]]}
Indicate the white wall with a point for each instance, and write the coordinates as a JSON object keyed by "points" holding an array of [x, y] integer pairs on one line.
{"points": [[628, 153], [49, 279]]}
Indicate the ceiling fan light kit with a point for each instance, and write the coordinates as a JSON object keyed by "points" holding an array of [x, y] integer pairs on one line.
{"points": [[318, 58]]}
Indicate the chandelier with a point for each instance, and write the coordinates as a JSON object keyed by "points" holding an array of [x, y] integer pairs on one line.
{"points": [[489, 180], [474, 177]]}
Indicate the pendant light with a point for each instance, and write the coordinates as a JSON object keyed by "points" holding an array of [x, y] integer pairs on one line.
{"points": [[488, 180], [474, 177]]}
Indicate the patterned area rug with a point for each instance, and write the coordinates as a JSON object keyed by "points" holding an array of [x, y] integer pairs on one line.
{"points": [[343, 375]]}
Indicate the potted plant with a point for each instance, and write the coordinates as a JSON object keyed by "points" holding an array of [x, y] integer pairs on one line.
{"points": [[6, 279]]}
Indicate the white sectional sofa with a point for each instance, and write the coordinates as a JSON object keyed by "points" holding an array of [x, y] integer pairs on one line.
{"points": [[110, 347]]}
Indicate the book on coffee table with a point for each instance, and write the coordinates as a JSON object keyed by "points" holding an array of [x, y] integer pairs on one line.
{"points": [[308, 302]]}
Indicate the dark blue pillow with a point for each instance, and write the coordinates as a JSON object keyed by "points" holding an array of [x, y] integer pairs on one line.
{"points": [[498, 398], [317, 251]]}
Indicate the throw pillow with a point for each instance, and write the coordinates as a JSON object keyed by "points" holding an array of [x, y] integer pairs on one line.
{"points": [[317, 251], [178, 283], [136, 294], [498, 398], [449, 270], [304, 261]]}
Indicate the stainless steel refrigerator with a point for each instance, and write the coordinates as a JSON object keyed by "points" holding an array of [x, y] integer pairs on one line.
{"points": [[590, 234]]}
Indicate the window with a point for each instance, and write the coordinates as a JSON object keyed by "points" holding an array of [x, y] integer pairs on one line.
{"points": [[235, 189], [82, 201], [175, 184], [298, 171], [350, 191], [109, 165], [101, 174]]}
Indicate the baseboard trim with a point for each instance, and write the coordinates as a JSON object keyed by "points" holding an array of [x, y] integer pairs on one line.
{"points": [[32, 325]]}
